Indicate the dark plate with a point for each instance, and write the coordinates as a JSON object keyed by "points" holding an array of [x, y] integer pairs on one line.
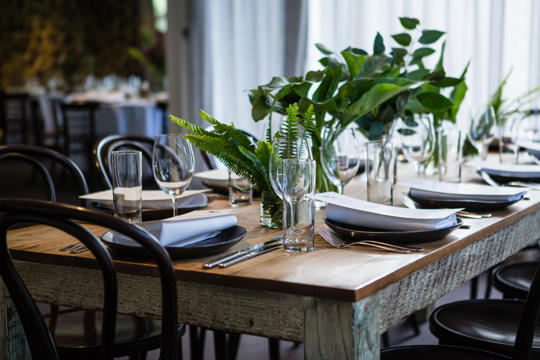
{"points": [[356, 233], [506, 178], [215, 245], [471, 205]]}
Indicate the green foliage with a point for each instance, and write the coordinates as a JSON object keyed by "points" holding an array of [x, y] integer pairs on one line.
{"points": [[369, 89]]}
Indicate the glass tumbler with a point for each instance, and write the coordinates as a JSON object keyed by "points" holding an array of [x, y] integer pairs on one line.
{"points": [[126, 168], [450, 147], [380, 158], [240, 190], [298, 195]]}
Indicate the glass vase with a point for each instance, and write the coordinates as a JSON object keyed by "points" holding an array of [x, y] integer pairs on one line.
{"points": [[271, 210]]}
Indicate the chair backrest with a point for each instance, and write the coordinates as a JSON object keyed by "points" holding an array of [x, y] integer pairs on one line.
{"points": [[527, 323], [38, 154], [102, 154], [65, 217]]}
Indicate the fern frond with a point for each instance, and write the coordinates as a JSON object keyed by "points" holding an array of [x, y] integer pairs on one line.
{"points": [[258, 165], [289, 131], [195, 129]]}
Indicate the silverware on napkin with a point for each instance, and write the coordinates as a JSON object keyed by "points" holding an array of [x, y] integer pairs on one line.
{"points": [[335, 240], [239, 253]]}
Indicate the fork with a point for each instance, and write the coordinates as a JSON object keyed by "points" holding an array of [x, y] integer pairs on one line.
{"points": [[337, 241]]}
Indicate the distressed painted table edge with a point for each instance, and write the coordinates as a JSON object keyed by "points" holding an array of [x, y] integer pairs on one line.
{"points": [[330, 329]]}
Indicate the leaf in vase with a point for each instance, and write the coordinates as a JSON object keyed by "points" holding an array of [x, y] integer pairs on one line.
{"points": [[402, 39], [409, 23], [398, 54], [430, 36], [354, 62], [434, 101], [378, 45], [322, 48], [422, 52]]}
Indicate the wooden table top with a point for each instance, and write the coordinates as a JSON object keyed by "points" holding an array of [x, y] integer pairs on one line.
{"points": [[337, 274]]}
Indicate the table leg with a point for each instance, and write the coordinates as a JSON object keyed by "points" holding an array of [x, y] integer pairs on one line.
{"points": [[341, 330]]}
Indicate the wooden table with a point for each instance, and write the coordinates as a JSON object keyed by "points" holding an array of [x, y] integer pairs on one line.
{"points": [[336, 301]]}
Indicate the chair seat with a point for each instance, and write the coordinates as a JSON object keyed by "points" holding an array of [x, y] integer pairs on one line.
{"points": [[438, 352], [485, 324], [514, 279], [78, 333]]}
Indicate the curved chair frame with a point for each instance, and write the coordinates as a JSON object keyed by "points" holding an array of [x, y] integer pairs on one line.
{"points": [[37, 166], [66, 162], [102, 152], [63, 216]]}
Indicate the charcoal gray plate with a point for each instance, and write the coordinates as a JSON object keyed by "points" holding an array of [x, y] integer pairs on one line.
{"points": [[217, 244], [357, 233], [471, 205]]}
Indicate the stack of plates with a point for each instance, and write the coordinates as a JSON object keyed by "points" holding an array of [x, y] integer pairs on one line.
{"points": [[360, 220], [475, 197], [503, 173]]}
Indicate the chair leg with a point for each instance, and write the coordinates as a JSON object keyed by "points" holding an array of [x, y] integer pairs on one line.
{"points": [[489, 283], [474, 287], [414, 324], [196, 342], [385, 339], [273, 347], [233, 342], [220, 345]]}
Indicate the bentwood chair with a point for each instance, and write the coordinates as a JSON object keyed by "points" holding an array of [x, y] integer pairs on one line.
{"points": [[42, 342], [57, 171], [494, 329], [514, 279], [102, 154]]}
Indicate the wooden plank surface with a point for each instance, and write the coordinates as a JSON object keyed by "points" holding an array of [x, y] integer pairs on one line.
{"points": [[338, 274]]}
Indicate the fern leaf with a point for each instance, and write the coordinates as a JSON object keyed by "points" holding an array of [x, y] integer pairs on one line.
{"points": [[189, 125]]}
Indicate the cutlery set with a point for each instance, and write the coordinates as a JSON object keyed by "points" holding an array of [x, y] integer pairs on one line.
{"points": [[76, 248]]}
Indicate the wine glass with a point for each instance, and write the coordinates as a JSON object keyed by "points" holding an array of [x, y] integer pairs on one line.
{"points": [[528, 131], [340, 157], [416, 134], [283, 149], [173, 165], [482, 128]]}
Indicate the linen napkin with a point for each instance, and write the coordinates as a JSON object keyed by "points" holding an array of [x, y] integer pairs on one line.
{"points": [[439, 190], [355, 212], [153, 199], [184, 230], [522, 171]]}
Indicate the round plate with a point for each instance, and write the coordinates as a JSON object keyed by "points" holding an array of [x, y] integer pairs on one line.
{"points": [[211, 246], [471, 205], [503, 178], [356, 233]]}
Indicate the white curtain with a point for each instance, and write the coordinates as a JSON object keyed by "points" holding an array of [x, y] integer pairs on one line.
{"points": [[495, 35]]}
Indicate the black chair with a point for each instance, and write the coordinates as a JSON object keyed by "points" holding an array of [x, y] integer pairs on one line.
{"points": [[79, 129], [495, 329], [14, 116], [102, 154], [514, 279], [39, 158], [64, 217]]}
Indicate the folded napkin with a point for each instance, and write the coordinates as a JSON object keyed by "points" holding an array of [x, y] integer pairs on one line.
{"points": [[507, 170], [355, 212], [184, 230], [438, 190], [153, 199]]}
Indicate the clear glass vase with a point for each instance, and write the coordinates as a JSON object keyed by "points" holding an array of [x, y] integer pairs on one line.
{"points": [[271, 210]]}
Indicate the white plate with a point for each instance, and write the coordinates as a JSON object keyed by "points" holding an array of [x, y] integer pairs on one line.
{"points": [[152, 199], [214, 178]]}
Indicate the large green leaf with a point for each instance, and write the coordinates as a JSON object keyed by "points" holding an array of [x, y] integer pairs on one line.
{"points": [[430, 36], [402, 39], [409, 23], [434, 101], [421, 52], [378, 45], [354, 62], [323, 49], [328, 84]]}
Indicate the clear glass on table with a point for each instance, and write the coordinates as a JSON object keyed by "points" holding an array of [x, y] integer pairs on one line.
{"points": [[126, 168]]}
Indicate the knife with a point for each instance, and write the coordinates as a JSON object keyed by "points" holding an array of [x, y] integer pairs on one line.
{"points": [[251, 254], [228, 257]]}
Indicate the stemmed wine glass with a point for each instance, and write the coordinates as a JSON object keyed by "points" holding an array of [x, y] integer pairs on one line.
{"points": [[482, 129], [173, 165], [340, 157], [417, 137]]}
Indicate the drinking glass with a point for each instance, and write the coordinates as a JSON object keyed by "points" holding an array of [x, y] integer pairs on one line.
{"points": [[450, 141], [282, 149], [528, 130], [127, 185], [482, 130], [240, 190], [173, 165], [298, 190], [380, 168], [417, 136], [340, 158]]}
